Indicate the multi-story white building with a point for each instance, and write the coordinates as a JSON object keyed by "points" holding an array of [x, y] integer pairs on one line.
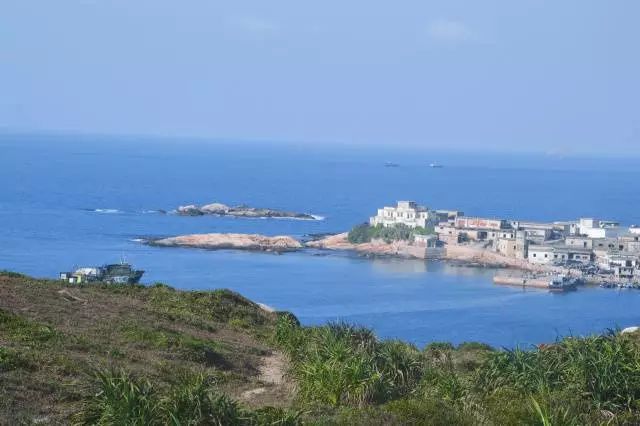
{"points": [[595, 228], [406, 213]]}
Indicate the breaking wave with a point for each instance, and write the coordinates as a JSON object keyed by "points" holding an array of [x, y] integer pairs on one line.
{"points": [[106, 211]]}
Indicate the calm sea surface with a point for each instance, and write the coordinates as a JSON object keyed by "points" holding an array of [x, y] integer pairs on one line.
{"points": [[67, 201]]}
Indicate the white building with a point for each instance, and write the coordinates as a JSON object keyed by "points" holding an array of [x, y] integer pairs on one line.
{"points": [[622, 265], [595, 228], [407, 213], [541, 254]]}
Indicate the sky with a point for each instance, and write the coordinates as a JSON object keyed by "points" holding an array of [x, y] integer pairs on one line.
{"points": [[528, 75]]}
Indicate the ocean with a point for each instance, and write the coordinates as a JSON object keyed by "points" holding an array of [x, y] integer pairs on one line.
{"points": [[70, 201]]}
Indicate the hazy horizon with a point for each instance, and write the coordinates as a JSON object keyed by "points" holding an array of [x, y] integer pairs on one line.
{"points": [[525, 77]]}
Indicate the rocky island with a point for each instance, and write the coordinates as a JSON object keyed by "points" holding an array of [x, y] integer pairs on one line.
{"points": [[219, 209], [251, 242]]}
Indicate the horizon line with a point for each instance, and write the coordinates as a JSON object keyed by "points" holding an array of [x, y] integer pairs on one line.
{"points": [[8, 131]]}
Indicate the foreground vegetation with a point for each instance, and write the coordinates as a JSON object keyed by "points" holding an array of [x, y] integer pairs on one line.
{"points": [[100, 354], [364, 233]]}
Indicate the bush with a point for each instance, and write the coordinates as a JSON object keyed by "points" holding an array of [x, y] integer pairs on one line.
{"points": [[365, 233], [603, 369], [342, 364], [11, 360], [121, 399], [193, 400], [26, 331]]}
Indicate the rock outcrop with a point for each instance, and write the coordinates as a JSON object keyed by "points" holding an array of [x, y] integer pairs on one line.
{"points": [[239, 211], [377, 247], [253, 242]]}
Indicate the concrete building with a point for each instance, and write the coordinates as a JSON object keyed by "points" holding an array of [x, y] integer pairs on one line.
{"points": [[508, 247], [631, 243], [406, 213], [579, 242], [522, 245], [447, 215], [541, 254], [622, 265], [447, 233], [429, 241], [572, 254], [596, 228], [481, 223]]}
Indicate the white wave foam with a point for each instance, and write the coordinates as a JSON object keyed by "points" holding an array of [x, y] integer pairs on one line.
{"points": [[313, 217], [107, 211]]}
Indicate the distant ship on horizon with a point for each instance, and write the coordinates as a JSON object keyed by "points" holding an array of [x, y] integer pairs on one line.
{"points": [[436, 165]]}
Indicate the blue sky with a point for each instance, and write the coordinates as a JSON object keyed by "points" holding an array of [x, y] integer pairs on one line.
{"points": [[547, 76]]}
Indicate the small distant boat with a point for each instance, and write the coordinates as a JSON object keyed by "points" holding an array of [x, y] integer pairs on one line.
{"points": [[435, 166], [608, 285], [389, 164], [563, 283], [116, 273]]}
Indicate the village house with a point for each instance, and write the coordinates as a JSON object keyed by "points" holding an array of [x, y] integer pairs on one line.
{"points": [[621, 265], [565, 253], [545, 254], [447, 215], [477, 229], [542, 255], [428, 241], [406, 212], [595, 228], [512, 247], [536, 232], [579, 242]]}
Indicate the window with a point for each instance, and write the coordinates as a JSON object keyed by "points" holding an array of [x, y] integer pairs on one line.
{"points": [[534, 255]]}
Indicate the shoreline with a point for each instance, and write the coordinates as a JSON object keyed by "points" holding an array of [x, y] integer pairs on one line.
{"points": [[456, 255]]}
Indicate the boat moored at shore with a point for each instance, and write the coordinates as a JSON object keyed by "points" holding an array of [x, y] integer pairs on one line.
{"points": [[116, 273]]}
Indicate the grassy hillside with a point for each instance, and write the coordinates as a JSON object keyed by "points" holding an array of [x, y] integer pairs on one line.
{"points": [[98, 354], [57, 343]]}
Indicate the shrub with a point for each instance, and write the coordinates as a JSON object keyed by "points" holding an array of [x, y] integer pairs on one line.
{"points": [[335, 371], [26, 331], [194, 402], [121, 399], [401, 366], [603, 369], [364, 233], [276, 417], [344, 364], [11, 359]]}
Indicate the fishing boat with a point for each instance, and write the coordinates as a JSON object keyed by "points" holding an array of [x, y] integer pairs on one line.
{"points": [[562, 283], [115, 273]]}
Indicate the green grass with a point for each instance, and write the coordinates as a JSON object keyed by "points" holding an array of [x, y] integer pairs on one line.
{"points": [[24, 331], [592, 380], [164, 356], [122, 399]]}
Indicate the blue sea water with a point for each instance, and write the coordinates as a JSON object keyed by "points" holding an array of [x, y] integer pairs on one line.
{"points": [[67, 201]]}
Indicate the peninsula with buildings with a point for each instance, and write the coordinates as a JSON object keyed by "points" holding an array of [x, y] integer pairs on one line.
{"points": [[594, 250], [588, 250]]}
